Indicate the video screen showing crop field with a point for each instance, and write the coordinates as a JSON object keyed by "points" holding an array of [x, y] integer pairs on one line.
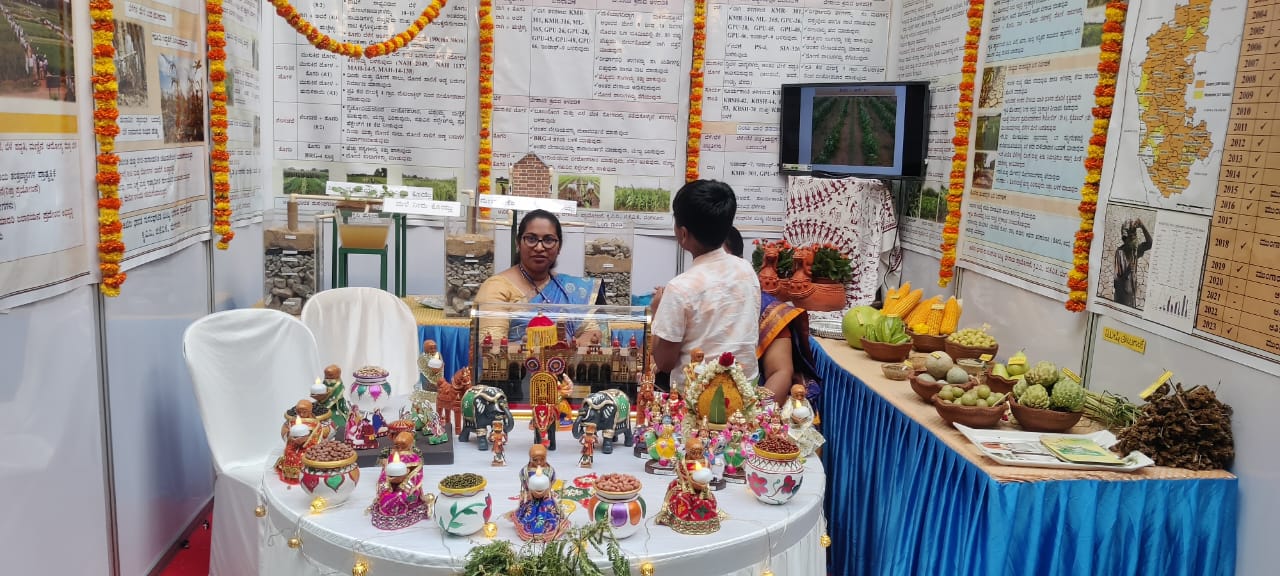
{"points": [[854, 129]]}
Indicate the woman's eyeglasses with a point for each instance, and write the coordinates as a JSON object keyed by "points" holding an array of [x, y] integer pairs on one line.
{"points": [[532, 241]]}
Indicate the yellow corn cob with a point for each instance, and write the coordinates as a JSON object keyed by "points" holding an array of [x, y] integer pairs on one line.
{"points": [[923, 329], [950, 316], [907, 303], [903, 290], [934, 319], [921, 312]]}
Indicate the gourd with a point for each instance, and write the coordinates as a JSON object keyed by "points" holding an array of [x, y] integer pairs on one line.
{"points": [[938, 364]]}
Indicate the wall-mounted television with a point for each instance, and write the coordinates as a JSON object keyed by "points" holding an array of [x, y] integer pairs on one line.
{"points": [[875, 129]]}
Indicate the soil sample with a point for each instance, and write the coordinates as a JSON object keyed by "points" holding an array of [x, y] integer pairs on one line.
{"points": [[609, 259], [468, 261]]}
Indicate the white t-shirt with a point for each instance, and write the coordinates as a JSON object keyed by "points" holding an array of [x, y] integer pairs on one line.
{"points": [[715, 306]]}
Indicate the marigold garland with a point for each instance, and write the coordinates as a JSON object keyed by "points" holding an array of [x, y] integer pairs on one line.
{"points": [[1104, 96], [693, 148], [105, 130], [324, 42], [219, 158], [484, 161], [960, 157]]}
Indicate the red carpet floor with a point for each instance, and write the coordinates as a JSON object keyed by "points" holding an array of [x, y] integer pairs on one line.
{"points": [[194, 559]]}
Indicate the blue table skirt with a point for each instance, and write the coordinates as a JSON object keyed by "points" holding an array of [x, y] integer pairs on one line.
{"points": [[900, 501], [454, 343]]}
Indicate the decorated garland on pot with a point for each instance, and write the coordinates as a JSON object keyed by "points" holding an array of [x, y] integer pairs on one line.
{"points": [[693, 149], [1104, 97], [484, 161], [960, 159], [324, 42], [219, 158], [105, 130]]}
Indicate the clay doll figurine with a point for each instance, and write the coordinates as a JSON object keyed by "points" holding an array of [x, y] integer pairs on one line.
{"points": [[633, 345], [689, 506], [691, 370], [313, 415], [400, 502], [675, 406], [565, 388], [379, 423], [736, 442], [449, 398], [538, 518], [769, 270], [402, 444], [588, 446], [662, 447], [498, 439], [301, 436], [430, 368], [798, 415], [360, 432], [335, 399], [644, 399]]}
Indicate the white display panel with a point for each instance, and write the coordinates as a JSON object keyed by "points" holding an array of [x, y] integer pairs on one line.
{"points": [[163, 471], [237, 271], [1251, 394], [52, 460], [1022, 319]]}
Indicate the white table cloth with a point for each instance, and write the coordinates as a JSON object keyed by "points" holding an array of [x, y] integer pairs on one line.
{"points": [[755, 536]]}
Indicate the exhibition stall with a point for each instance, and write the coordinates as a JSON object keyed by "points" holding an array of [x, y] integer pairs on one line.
{"points": [[377, 286]]}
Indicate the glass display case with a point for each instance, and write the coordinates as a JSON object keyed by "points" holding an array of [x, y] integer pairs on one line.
{"points": [[607, 256], [524, 349], [468, 261], [289, 261]]}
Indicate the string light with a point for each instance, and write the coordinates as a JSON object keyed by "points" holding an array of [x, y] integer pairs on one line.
{"points": [[490, 530], [319, 504], [360, 568], [260, 511], [646, 569], [295, 542]]}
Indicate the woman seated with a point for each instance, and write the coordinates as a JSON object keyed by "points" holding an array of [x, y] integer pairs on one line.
{"points": [[784, 352], [533, 282]]}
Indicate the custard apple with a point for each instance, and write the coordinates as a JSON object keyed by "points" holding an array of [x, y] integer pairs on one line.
{"points": [[1019, 387], [1068, 396], [1035, 397], [1043, 373]]}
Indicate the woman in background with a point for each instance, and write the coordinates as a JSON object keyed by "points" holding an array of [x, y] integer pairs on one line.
{"points": [[533, 281], [784, 352]]}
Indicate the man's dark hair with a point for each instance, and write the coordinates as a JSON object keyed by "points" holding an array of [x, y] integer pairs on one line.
{"points": [[733, 242], [706, 209]]}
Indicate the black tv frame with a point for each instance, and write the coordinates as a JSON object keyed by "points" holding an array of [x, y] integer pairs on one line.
{"points": [[915, 134]]}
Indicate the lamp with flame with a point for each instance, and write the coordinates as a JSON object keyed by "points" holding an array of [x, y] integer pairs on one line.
{"points": [[319, 389], [395, 468], [539, 482], [800, 411], [701, 475], [299, 430]]}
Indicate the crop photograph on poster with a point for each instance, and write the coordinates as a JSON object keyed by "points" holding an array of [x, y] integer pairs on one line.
{"points": [[35, 50], [181, 98]]}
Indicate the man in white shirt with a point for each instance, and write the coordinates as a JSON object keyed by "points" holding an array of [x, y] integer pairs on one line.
{"points": [[715, 305]]}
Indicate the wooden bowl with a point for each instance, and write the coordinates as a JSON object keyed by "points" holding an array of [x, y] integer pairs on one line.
{"points": [[971, 416], [882, 352], [895, 370], [927, 390], [927, 343], [958, 352], [1000, 384], [1038, 420]]}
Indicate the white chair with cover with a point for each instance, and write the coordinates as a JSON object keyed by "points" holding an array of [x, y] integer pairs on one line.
{"points": [[248, 367], [356, 327]]}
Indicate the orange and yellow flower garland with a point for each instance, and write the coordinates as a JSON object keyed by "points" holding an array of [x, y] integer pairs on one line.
{"points": [[219, 159], [325, 42], [960, 158], [693, 149], [1104, 97], [484, 163], [105, 130]]}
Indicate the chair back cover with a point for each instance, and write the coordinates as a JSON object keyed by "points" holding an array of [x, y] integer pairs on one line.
{"points": [[248, 366], [356, 327]]}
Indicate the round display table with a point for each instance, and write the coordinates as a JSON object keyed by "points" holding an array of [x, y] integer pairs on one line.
{"points": [[752, 537]]}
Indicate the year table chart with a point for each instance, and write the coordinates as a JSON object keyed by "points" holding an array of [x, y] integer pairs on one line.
{"points": [[1240, 291]]}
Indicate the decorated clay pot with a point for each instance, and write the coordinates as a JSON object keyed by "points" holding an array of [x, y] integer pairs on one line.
{"points": [[463, 512], [623, 511], [333, 481], [774, 478]]}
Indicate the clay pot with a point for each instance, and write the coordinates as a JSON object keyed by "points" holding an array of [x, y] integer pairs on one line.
{"points": [[826, 296], [463, 512], [623, 511], [881, 352], [774, 478], [958, 352], [1038, 420], [971, 416], [926, 390], [927, 343], [333, 481]]}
